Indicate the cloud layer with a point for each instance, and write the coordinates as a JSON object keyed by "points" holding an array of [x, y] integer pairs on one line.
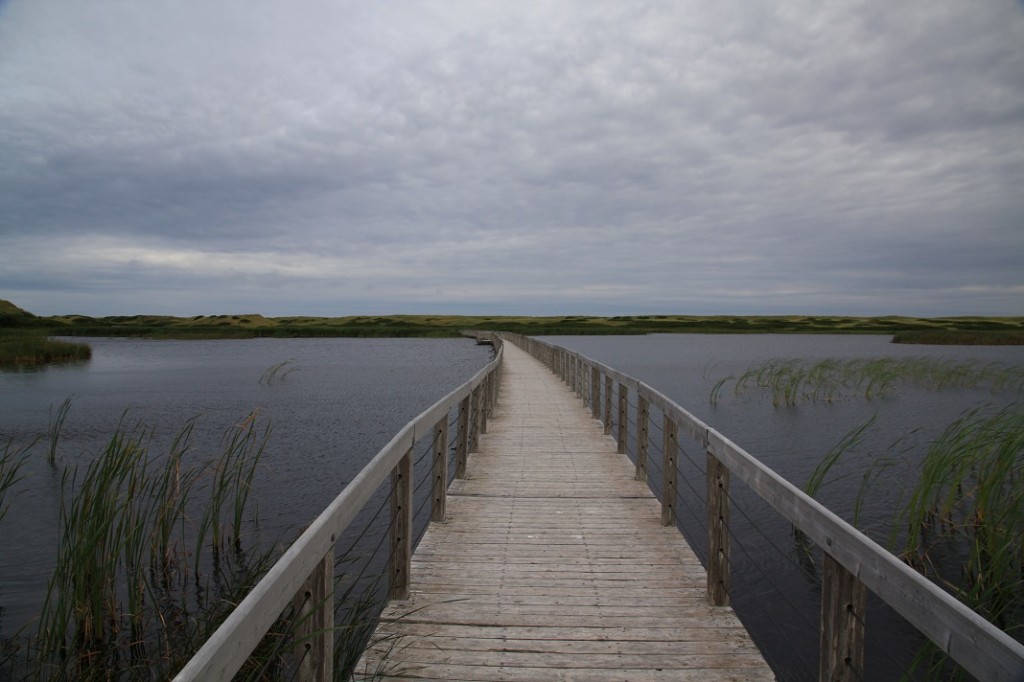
{"points": [[539, 157]]}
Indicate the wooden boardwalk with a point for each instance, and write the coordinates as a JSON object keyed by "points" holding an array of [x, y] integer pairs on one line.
{"points": [[552, 564]]}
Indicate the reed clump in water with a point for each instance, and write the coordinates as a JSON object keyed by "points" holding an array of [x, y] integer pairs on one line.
{"points": [[154, 553], [962, 523], [139, 584], [28, 350], [791, 381], [971, 496], [11, 460]]}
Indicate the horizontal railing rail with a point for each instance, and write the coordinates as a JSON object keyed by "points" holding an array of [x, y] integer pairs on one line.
{"points": [[853, 561], [307, 566]]}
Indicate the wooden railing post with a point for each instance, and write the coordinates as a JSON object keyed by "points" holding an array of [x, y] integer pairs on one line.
{"points": [[493, 383], [718, 532], [462, 439], [475, 420], [607, 405], [314, 624], [643, 415], [623, 431], [842, 624], [485, 403], [595, 392], [670, 456], [439, 470], [400, 560]]}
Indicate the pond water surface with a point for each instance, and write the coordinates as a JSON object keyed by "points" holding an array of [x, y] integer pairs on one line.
{"points": [[335, 402], [331, 407]]}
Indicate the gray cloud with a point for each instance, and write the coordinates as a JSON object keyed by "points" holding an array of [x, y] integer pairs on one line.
{"points": [[512, 157]]}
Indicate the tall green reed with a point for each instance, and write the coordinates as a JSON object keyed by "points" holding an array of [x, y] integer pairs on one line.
{"points": [[791, 381], [962, 524], [54, 428], [125, 600], [11, 461], [971, 494]]}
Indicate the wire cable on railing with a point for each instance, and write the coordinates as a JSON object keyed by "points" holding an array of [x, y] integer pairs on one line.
{"points": [[779, 627], [758, 564], [426, 477], [697, 465], [284, 638], [385, 536], [426, 451], [784, 554]]}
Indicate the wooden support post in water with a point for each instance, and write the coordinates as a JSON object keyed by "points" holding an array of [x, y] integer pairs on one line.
{"points": [[400, 560], [718, 532], [607, 405], [314, 624], [462, 438], [670, 457], [842, 624], [643, 415], [595, 392], [623, 433], [440, 470]]}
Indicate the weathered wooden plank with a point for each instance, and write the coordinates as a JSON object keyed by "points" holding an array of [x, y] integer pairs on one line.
{"points": [[458, 673], [595, 633], [505, 658]]}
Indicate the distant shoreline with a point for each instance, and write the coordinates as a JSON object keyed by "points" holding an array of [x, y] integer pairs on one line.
{"points": [[948, 330]]}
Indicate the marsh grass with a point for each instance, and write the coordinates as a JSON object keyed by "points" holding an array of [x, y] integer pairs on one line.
{"points": [[11, 461], [791, 382], [126, 600], [278, 372], [848, 442], [971, 495], [962, 523], [155, 550], [54, 427], [29, 350]]}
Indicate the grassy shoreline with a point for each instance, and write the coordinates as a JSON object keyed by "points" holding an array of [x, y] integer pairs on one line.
{"points": [[958, 330]]}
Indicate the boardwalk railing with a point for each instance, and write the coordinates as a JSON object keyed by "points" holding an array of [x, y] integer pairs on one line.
{"points": [[304, 574], [853, 561]]}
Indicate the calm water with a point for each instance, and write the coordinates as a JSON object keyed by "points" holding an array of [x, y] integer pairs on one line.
{"points": [[775, 591], [339, 401]]}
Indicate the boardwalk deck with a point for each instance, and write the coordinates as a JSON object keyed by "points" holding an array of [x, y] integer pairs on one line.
{"points": [[553, 565]]}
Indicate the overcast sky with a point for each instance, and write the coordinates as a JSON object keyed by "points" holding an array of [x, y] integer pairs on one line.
{"points": [[334, 157]]}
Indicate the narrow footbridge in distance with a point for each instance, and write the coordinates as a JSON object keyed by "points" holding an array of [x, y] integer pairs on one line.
{"points": [[548, 557]]}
